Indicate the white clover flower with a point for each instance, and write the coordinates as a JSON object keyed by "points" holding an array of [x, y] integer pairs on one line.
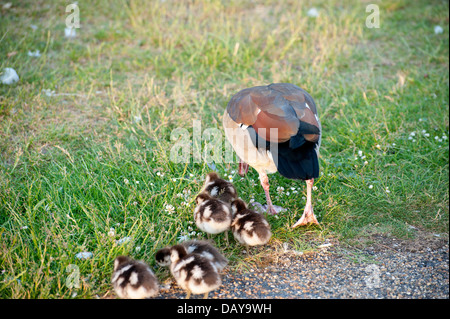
{"points": [[48, 92], [123, 240], [126, 181], [313, 13], [280, 189], [370, 186], [36, 53], [387, 190], [138, 249], [378, 146], [137, 182], [412, 134], [438, 29], [160, 174], [84, 255], [314, 188], [444, 137], [70, 33], [360, 153], [112, 232], [366, 162], [169, 208], [183, 238], [186, 193], [9, 76]]}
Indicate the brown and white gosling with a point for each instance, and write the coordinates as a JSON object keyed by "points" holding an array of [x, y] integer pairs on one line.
{"points": [[192, 272], [219, 188], [133, 279], [249, 227], [200, 247], [212, 215]]}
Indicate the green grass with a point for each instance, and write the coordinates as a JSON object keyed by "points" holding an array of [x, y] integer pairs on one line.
{"points": [[95, 155]]}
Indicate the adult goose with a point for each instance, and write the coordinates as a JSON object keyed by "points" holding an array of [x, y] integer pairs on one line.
{"points": [[276, 128]]}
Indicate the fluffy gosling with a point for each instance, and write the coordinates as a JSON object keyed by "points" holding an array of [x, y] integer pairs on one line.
{"points": [[200, 247], [133, 279], [211, 215], [192, 272], [219, 188], [249, 227]]}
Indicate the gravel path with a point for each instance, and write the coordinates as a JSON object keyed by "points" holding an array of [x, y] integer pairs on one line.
{"points": [[387, 269]]}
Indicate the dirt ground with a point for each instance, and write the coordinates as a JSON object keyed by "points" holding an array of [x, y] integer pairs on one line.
{"points": [[387, 268]]}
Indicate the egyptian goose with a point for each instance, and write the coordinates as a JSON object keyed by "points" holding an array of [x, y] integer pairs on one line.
{"points": [[249, 227], [211, 215], [192, 272], [219, 188], [199, 247], [133, 279], [276, 128]]}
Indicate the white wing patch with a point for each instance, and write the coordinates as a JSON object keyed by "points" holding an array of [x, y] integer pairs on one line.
{"points": [[207, 212], [215, 191], [197, 272], [134, 278], [248, 226]]}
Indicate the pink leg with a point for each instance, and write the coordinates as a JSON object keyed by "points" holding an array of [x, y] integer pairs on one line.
{"points": [[243, 168], [308, 213], [265, 184]]}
